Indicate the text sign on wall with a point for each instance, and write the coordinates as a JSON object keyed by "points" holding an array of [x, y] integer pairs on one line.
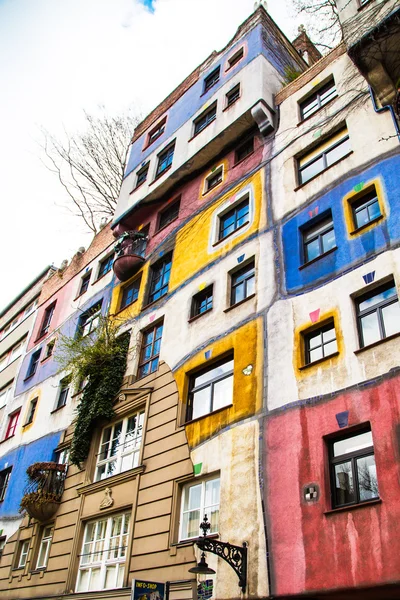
{"points": [[147, 590]]}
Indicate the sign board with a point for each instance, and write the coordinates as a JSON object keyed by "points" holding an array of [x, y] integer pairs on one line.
{"points": [[205, 589], [147, 590]]}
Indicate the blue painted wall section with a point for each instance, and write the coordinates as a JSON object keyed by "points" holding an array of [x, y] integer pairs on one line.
{"points": [[20, 459], [351, 250]]}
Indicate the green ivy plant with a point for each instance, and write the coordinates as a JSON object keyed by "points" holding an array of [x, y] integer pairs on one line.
{"points": [[100, 360], [290, 74]]}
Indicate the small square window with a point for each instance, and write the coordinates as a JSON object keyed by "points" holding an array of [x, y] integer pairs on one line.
{"points": [[318, 99], [48, 315], [89, 320], [130, 293], [378, 314], [233, 219], [233, 60], [199, 498], [214, 179], [207, 117], [141, 175], [211, 80], [318, 239], [156, 132], [168, 214], [320, 343], [33, 364], [353, 469], [165, 159], [105, 265], [150, 351], [22, 556], [233, 95], [63, 392], [210, 389], [4, 480], [202, 302], [160, 273], [31, 411], [84, 284], [243, 283], [366, 209], [12, 424], [244, 150], [49, 349]]}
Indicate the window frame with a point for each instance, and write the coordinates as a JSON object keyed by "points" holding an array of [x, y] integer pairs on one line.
{"points": [[218, 171], [375, 291], [208, 116], [158, 129], [248, 142], [5, 475], [312, 333], [106, 541], [12, 423], [31, 411], [89, 316], [6, 391], [120, 451], [142, 171], [202, 508], [134, 285], [174, 208], [235, 58], [209, 383], [33, 363], [84, 286], [211, 80], [197, 301], [316, 95], [44, 541], [323, 154], [108, 261], [168, 153], [154, 356], [250, 268], [158, 272], [22, 557], [362, 201], [46, 320], [307, 230], [352, 458], [63, 391], [235, 92], [234, 210]]}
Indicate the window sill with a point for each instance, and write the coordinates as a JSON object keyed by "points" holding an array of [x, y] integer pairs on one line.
{"points": [[29, 377], [239, 162], [314, 260], [152, 141], [214, 412], [46, 358], [378, 343], [58, 408], [317, 111], [201, 130], [79, 296], [320, 360], [165, 226], [125, 307], [334, 511], [210, 88], [231, 104], [372, 222], [324, 171], [96, 486], [199, 315], [239, 303], [157, 177], [213, 187], [41, 337], [7, 438], [222, 240], [27, 424], [154, 302], [101, 277]]}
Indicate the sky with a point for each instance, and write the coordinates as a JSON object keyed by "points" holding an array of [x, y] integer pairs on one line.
{"points": [[60, 57]]}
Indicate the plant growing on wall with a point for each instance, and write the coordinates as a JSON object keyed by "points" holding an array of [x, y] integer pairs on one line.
{"points": [[99, 360]]}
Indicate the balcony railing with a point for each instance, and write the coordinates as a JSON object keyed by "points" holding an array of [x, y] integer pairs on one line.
{"points": [[43, 493], [130, 250]]}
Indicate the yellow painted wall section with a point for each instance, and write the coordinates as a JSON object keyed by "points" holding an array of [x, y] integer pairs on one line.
{"points": [[246, 344], [192, 253], [134, 309]]}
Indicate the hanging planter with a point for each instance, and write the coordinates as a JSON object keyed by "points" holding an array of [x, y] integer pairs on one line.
{"points": [[42, 495]]}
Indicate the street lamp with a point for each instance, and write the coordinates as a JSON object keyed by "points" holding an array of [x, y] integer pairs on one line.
{"points": [[235, 556]]}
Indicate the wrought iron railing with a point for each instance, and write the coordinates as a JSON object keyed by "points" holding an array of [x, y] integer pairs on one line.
{"points": [[46, 479]]}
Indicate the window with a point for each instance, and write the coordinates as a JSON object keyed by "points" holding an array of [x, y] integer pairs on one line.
{"points": [[211, 80], [198, 499], [4, 480], [320, 343], [22, 554], [214, 179], [11, 355], [31, 411], [105, 265], [205, 119], [156, 132], [168, 214], [210, 389], [62, 457], [84, 284], [202, 302], [48, 314], [12, 424], [63, 393], [233, 95], [31, 307], [159, 278], [165, 159], [233, 219], [44, 548], [318, 239], [3, 540], [33, 364], [141, 175], [120, 447], [353, 470], [50, 349], [5, 395], [244, 150], [130, 293], [323, 156], [378, 314], [243, 283], [317, 100], [150, 351], [235, 58], [366, 209], [89, 321], [102, 560]]}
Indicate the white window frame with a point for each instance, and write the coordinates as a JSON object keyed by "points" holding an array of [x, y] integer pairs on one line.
{"points": [[45, 543], [218, 169], [10, 356], [115, 455], [202, 509], [23, 554], [91, 321], [227, 206], [98, 546], [5, 394]]}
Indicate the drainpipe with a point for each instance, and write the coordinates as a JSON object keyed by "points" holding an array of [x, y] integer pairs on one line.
{"points": [[383, 108]]}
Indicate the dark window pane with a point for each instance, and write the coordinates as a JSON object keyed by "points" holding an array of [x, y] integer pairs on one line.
{"points": [[344, 487], [211, 80]]}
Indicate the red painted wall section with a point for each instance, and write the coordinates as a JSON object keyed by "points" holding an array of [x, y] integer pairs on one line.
{"points": [[312, 549]]}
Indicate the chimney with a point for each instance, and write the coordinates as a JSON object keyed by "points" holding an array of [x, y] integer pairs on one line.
{"points": [[305, 47]]}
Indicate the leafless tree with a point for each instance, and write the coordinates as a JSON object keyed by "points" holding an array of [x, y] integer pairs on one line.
{"points": [[90, 164], [321, 19]]}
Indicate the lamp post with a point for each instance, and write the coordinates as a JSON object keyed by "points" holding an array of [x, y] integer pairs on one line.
{"points": [[235, 556]]}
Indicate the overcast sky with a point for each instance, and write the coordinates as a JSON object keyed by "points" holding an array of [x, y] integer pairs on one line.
{"points": [[58, 57]]}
